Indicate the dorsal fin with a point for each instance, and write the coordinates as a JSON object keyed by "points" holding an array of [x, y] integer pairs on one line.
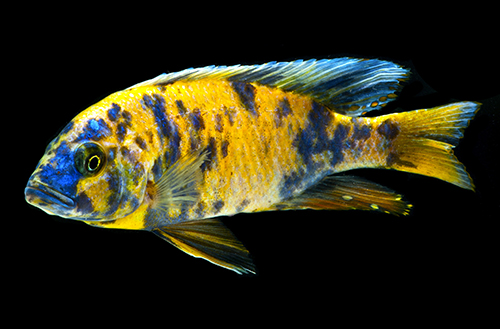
{"points": [[349, 86]]}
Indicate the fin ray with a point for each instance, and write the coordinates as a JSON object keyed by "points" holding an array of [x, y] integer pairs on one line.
{"points": [[346, 193], [181, 182], [211, 240], [426, 141], [350, 86]]}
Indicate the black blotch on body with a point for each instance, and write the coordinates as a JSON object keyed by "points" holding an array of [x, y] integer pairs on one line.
{"points": [[339, 137], [230, 114], [174, 144], [142, 144], [217, 206], [168, 130], [113, 112], [181, 107], [361, 132], [124, 151], [242, 205], [246, 93], [157, 169], [113, 199], [389, 129], [211, 155], [127, 117], [218, 122], [290, 184], [121, 131], [224, 147], [84, 203], [199, 209], [197, 120], [156, 103], [124, 119], [282, 111], [313, 139]]}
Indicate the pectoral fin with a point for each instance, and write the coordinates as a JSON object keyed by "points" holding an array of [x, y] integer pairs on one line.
{"points": [[181, 183], [348, 192], [211, 240]]}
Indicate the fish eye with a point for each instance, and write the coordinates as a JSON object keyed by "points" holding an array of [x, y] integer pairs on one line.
{"points": [[90, 159]]}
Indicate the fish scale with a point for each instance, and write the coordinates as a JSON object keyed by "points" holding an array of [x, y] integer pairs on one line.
{"points": [[170, 154]]}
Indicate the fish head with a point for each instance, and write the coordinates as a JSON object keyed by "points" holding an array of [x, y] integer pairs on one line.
{"points": [[87, 174]]}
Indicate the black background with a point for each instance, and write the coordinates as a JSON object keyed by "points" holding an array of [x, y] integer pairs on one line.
{"points": [[445, 252]]}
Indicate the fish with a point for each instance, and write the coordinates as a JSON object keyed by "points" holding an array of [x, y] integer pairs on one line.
{"points": [[173, 154]]}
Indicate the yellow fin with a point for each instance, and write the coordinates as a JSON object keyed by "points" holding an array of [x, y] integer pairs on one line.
{"points": [[211, 240], [348, 192], [181, 182], [425, 139]]}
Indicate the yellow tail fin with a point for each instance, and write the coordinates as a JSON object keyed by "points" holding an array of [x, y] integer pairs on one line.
{"points": [[425, 139]]}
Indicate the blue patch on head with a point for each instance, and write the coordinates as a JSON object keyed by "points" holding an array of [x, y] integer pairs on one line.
{"points": [[60, 173], [94, 130], [113, 112], [94, 125]]}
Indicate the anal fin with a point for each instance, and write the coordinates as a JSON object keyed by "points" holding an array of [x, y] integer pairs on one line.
{"points": [[211, 240], [346, 193]]}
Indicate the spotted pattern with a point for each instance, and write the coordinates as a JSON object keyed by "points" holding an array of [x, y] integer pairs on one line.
{"points": [[282, 111], [217, 206], [246, 93], [94, 130], [314, 138], [389, 129]]}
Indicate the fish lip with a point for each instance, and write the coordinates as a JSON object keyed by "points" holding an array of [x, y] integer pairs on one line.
{"points": [[49, 195]]}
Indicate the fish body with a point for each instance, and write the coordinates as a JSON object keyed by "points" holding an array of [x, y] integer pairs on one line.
{"points": [[171, 154]]}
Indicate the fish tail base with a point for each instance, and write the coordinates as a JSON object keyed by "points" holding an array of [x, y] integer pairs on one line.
{"points": [[425, 141]]}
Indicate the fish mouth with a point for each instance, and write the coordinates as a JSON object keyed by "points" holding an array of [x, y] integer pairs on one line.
{"points": [[43, 196]]}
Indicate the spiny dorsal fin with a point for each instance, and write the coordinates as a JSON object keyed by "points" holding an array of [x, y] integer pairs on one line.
{"points": [[181, 182], [346, 193], [211, 240], [349, 86]]}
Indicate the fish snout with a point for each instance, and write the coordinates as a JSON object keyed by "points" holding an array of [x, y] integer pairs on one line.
{"points": [[47, 198]]}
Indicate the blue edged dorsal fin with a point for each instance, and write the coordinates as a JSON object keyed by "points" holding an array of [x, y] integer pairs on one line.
{"points": [[349, 86]]}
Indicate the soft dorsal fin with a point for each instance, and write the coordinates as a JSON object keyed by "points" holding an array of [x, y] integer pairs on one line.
{"points": [[349, 86]]}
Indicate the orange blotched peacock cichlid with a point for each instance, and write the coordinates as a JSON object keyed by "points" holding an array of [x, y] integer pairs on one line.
{"points": [[171, 154]]}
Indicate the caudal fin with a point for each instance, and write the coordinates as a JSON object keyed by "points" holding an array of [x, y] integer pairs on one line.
{"points": [[425, 139]]}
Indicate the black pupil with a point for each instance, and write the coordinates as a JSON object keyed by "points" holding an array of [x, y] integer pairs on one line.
{"points": [[93, 163]]}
